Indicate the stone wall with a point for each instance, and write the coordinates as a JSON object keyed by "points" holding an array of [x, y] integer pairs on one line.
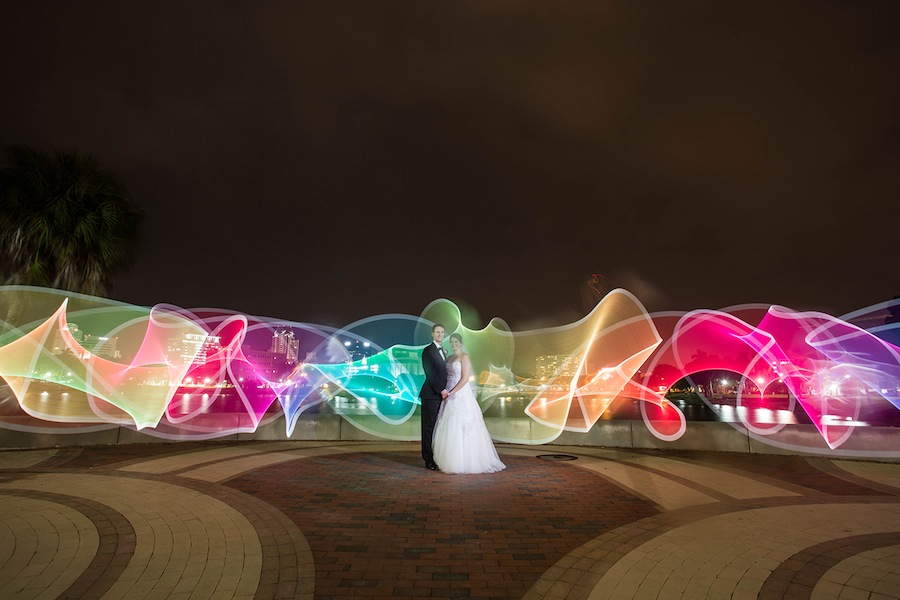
{"points": [[869, 442]]}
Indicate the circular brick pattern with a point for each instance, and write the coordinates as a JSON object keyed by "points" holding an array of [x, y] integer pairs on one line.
{"points": [[183, 541], [100, 552], [754, 552], [806, 571], [614, 523], [382, 523], [36, 558]]}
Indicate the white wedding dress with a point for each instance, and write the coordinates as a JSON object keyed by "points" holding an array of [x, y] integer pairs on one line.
{"points": [[462, 443]]}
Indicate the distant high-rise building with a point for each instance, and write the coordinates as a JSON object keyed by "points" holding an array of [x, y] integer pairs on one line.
{"points": [[195, 348], [286, 345], [59, 345], [104, 347], [280, 359], [563, 365]]}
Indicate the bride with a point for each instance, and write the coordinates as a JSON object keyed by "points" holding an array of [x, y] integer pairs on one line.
{"points": [[462, 443]]}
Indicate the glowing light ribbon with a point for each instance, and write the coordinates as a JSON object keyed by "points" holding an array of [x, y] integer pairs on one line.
{"points": [[73, 359], [614, 340], [108, 390], [821, 360]]}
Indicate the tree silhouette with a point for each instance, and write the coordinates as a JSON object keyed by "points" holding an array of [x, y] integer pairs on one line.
{"points": [[64, 222]]}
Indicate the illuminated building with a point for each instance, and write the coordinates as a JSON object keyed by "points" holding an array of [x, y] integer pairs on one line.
{"points": [[281, 357], [195, 348], [104, 347], [59, 346], [406, 360], [285, 345], [561, 365], [268, 363]]}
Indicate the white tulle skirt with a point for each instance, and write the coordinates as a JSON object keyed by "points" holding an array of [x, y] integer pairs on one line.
{"points": [[462, 443]]}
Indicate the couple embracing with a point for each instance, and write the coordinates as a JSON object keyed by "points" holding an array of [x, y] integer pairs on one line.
{"points": [[454, 437]]}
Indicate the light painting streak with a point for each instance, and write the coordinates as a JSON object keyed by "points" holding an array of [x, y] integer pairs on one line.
{"points": [[73, 363]]}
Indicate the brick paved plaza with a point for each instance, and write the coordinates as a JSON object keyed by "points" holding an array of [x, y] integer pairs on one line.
{"points": [[339, 519]]}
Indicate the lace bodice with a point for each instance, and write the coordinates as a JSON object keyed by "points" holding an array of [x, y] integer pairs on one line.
{"points": [[454, 372]]}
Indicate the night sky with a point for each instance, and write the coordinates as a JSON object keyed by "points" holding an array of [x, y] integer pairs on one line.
{"points": [[327, 161]]}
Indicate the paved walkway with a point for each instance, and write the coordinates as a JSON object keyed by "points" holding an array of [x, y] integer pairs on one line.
{"points": [[336, 519]]}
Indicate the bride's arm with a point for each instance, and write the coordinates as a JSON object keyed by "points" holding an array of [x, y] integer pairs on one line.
{"points": [[466, 367]]}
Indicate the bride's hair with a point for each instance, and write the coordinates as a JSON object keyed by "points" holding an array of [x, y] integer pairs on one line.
{"points": [[458, 338]]}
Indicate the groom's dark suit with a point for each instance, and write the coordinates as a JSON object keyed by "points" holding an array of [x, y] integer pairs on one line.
{"points": [[430, 394]]}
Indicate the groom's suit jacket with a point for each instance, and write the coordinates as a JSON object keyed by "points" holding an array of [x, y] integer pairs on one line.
{"points": [[435, 373]]}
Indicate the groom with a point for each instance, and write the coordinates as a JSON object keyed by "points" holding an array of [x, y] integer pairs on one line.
{"points": [[433, 391]]}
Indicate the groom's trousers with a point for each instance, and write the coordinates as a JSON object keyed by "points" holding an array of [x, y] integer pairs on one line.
{"points": [[430, 409]]}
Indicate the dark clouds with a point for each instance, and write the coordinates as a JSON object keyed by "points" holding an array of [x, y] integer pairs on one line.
{"points": [[329, 161]]}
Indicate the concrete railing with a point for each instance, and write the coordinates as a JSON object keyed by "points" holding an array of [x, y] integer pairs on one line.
{"points": [[870, 442]]}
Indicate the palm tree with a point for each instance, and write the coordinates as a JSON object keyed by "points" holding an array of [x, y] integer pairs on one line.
{"points": [[64, 222]]}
